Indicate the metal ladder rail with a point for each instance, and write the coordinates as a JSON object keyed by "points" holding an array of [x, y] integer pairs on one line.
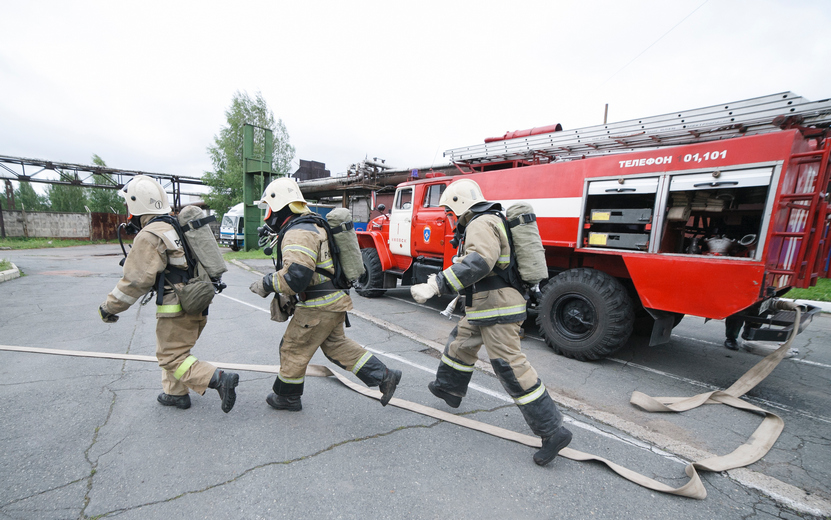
{"points": [[755, 111], [819, 210], [686, 126], [802, 265], [620, 146], [704, 113], [671, 134]]}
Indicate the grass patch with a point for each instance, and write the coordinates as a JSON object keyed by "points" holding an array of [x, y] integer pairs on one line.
{"points": [[40, 243], [820, 292], [256, 254], [5, 265]]}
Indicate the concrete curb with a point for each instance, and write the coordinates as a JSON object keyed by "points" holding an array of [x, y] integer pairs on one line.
{"points": [[9, 274]]}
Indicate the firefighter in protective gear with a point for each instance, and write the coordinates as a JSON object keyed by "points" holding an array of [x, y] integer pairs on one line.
{"points": [[494, 312], [157, 260], [320, 307]]}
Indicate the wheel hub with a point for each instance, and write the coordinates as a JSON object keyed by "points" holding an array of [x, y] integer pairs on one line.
{"points": [[574, 316]]}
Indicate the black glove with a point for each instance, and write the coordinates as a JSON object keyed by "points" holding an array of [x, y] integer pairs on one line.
{"points": [[106, 317]]}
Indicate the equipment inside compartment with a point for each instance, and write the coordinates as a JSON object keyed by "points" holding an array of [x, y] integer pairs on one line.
{"points": [[711, 213]]}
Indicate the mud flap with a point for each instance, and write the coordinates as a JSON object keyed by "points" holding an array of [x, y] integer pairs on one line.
{"points": [[662, 329]]}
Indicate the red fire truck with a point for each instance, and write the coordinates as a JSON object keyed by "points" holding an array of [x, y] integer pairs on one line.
{"points": [[710, 212]]}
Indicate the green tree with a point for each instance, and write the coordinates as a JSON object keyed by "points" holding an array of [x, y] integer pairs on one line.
{"points": [[72, 199], [103, 200], [26, 197], [226, 153]]}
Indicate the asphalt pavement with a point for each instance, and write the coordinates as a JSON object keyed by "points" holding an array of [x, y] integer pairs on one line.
{"points": [[85, 438]]}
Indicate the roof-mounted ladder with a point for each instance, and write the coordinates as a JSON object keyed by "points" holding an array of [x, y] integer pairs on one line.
{"points": [[751, 116]]}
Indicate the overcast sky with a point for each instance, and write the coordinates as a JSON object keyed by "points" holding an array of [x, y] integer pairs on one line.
{"points": [[145, 85]]}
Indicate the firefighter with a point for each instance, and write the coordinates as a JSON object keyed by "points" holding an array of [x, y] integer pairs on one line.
{"points": [[319, 307], [157, 260], [494, 312], [732, 326]]}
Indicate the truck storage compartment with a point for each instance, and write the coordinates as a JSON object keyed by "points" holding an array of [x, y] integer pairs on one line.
{"points": [[618, 213], [638, 241], [718, 213]]}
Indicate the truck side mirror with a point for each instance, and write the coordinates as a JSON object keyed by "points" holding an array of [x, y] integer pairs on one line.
{"points": [[381, 208]]}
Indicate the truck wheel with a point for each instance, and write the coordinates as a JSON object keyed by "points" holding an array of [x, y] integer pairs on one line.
{"points": [[370, 284], [234, 248], [585, 314]]}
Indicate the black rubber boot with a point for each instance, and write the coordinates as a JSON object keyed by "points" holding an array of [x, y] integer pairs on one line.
{"points": [[179, 401], [225, 383], [373, 372], [551, 446], [453, 401], [731, 344], [388, 385], [281, 402], [732, 326], [451, 384]]}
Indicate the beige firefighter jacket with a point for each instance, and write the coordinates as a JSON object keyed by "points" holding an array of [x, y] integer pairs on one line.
{"points": [[156, 247], [306, 247], [486, 247]]}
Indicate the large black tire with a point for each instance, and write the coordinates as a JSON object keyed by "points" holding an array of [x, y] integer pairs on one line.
{"points": [[371, 283], [585, 314]]}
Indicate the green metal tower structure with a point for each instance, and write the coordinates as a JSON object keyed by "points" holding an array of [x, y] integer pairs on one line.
{"points": [[257, 174]]}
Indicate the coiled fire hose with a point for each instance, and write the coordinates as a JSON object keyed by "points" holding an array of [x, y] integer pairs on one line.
{"points": [[754, 449]]}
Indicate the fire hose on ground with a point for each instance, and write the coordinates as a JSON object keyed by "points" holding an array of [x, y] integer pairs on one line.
{"points": [[759, 443]]}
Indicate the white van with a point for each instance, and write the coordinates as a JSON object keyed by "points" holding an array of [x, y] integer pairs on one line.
{"points": [[232, 228]]}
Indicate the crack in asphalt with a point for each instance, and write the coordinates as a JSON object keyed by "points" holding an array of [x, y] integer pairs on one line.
{"points": [[286, 462], [36, 381], [42, 492], [262, 466], [94, 464]]}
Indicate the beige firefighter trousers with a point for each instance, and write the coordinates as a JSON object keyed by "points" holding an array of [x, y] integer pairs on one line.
{"points": [[174, 339], [313, 328], [501, 341]]}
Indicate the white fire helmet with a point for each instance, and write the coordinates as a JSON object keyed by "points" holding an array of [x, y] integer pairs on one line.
{"points": [[145, 196], [281, 192], [460, 195]]}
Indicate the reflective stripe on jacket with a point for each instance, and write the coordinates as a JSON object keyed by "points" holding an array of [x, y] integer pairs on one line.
{"points": [[306, 247], [153, 249], [485, 248]]}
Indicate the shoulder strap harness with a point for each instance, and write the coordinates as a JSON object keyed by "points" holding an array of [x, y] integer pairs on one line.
{"points": [[508, 277], [338, 279]]}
